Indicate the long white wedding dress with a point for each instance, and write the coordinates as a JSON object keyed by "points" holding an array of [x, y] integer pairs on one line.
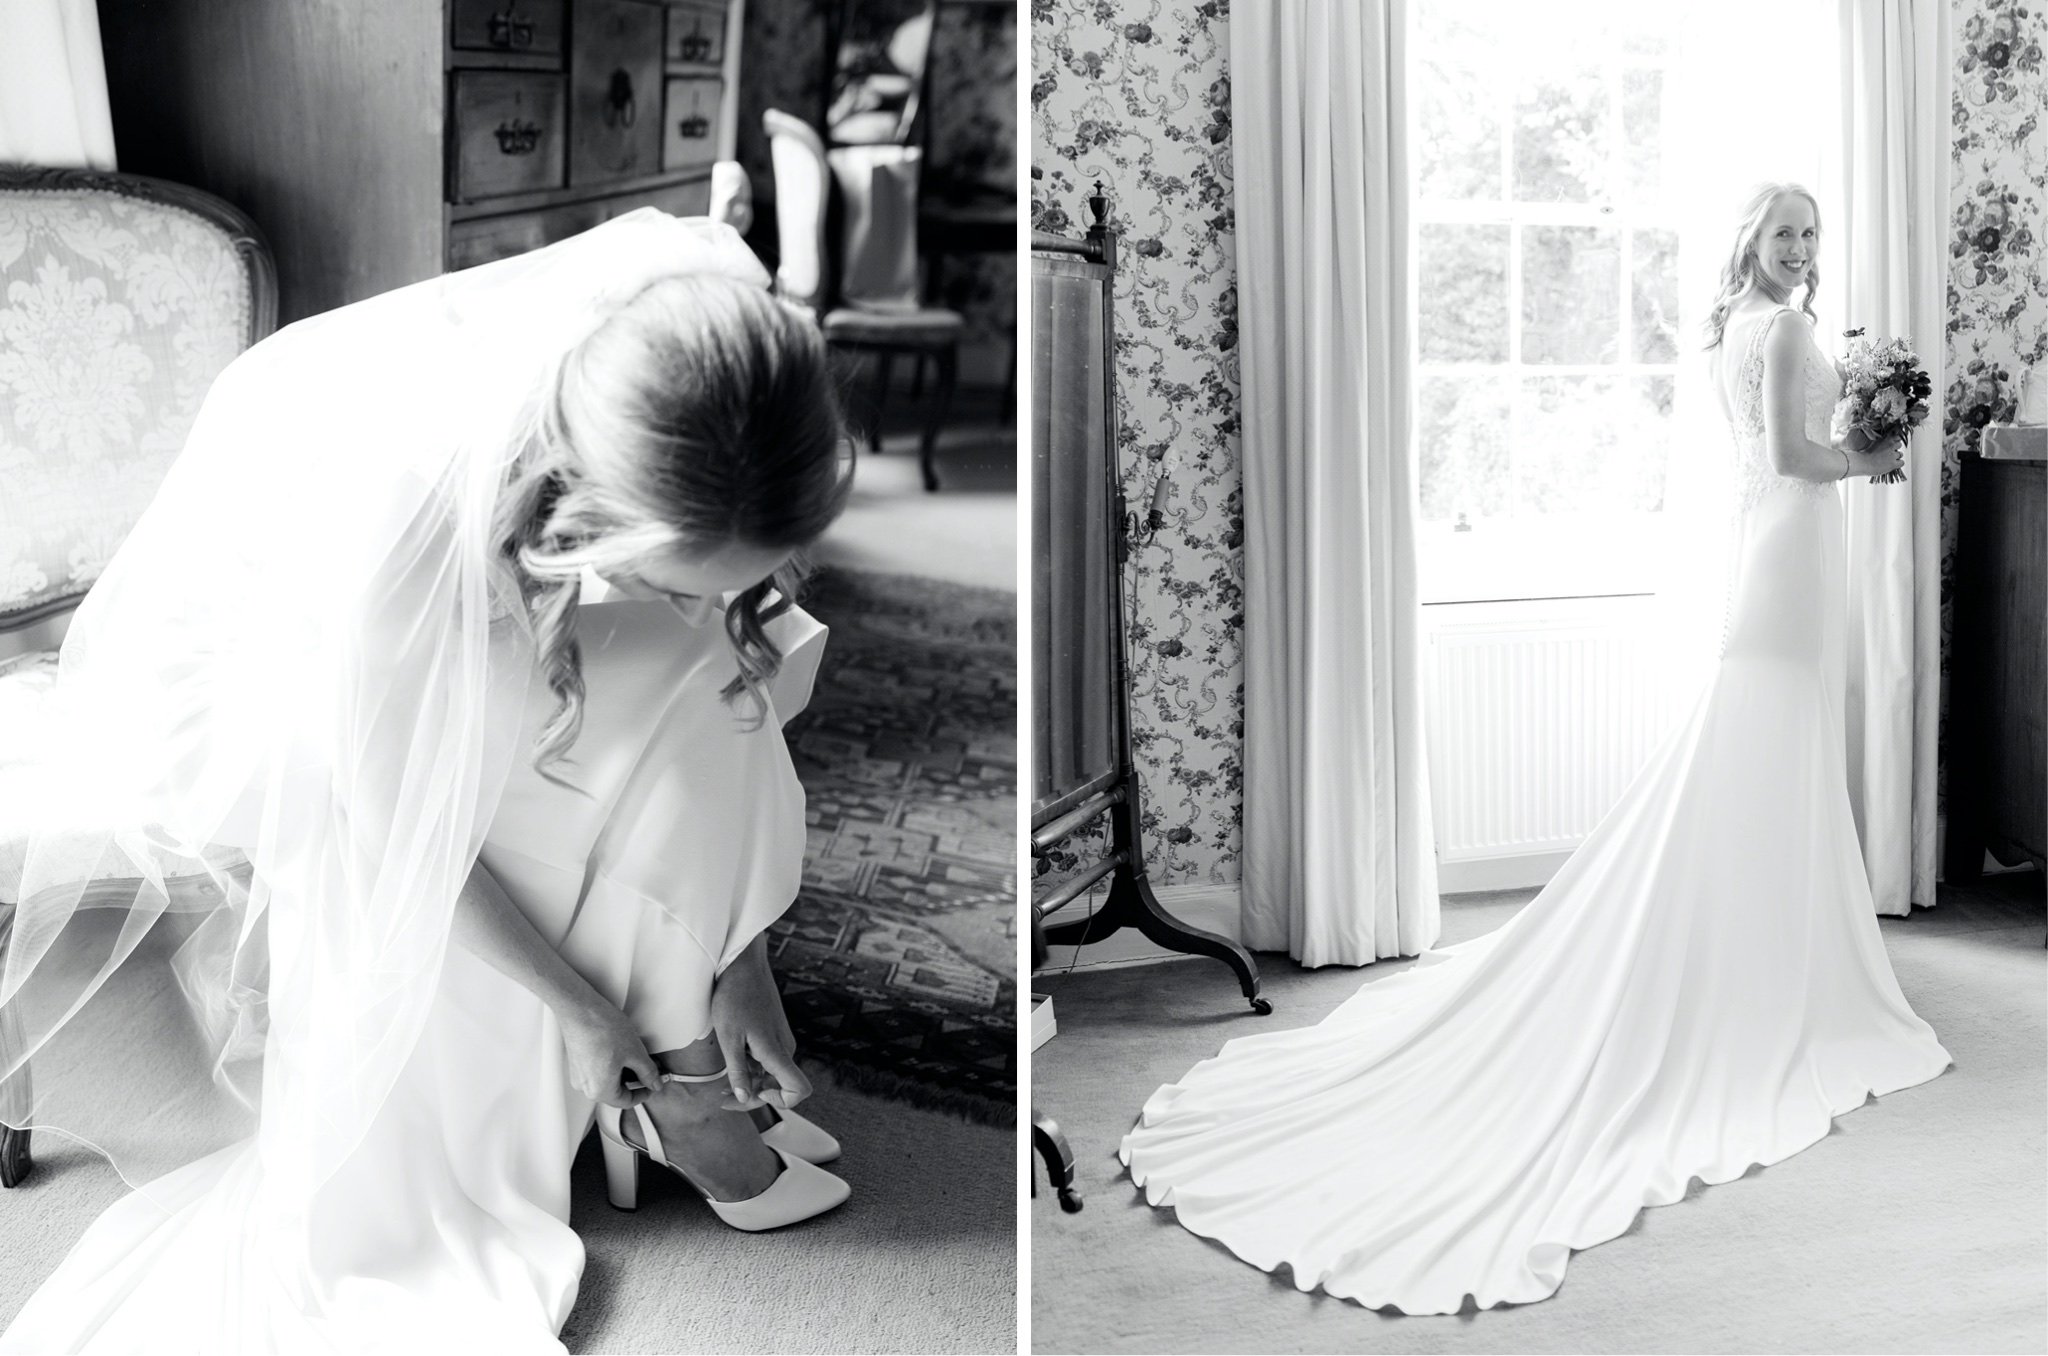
{"points": [[1700, 988]]}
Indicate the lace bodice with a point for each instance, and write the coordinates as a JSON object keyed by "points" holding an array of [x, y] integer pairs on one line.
{"points": [[1754, 476]]}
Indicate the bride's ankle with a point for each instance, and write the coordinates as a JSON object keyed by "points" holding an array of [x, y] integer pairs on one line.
{"points": [[690, 1101]]}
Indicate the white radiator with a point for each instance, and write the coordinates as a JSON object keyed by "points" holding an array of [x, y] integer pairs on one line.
{"points": [[1539, 716]]}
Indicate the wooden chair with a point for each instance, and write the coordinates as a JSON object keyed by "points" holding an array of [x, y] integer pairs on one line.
{"points": [[162, 286], [803, 200]]}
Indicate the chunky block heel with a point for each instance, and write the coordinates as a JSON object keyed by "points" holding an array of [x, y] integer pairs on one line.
{"points": [[621, 1173]]}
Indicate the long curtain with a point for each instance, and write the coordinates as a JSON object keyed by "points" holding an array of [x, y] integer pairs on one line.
{"points": [[1339, 855], [53, 86], [1895, 168]]}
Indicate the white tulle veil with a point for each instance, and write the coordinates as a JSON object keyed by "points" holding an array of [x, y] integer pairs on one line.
{"points": [[282, 721]]}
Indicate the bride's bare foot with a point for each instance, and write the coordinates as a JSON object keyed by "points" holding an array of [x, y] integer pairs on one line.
{"points": [[720, 1150]]}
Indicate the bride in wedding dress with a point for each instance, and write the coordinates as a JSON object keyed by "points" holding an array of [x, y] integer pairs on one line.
{"points": [[370, 863], [1700, 988]]}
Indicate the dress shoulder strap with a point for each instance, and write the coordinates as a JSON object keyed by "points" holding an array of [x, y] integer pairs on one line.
{"points": [[1749, 375], [1753, 351]]}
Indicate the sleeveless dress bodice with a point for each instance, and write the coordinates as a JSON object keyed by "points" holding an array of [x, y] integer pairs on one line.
{"points": [[1743, 391]]}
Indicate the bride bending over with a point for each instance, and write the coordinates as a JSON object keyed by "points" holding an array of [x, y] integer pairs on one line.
{"points": [[1700, 988], [440, 861]]}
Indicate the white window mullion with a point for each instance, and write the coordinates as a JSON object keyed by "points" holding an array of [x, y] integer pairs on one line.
{"points": [[1562, 214], [1624, 356], [1469, 213], [1516, 406], [1514, 293], [1504, 96], [1622, 204]]}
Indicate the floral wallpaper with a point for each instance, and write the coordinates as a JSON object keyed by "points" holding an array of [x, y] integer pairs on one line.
{"points": [[1137, 95], [1997, 287], [973, 128]]}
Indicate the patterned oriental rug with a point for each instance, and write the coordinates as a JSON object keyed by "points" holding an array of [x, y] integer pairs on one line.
{"points": [[898, 961]]}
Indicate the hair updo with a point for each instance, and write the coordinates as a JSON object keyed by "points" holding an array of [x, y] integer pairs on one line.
{"points": [[700, 414]]}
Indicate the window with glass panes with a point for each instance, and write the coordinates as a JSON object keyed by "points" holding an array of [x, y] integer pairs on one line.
{"points": [[1547, 265]]}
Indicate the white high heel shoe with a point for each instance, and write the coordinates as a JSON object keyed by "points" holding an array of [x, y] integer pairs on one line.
{"points": [[799, 1138], [800, 1191]]}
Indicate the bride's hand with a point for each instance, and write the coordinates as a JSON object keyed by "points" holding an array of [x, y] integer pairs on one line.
{"points": [[747, 1020], [603, 1048], [1881, 458]]}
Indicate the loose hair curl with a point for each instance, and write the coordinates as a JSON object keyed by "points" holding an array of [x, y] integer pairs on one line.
{"points": [[700, 414]]}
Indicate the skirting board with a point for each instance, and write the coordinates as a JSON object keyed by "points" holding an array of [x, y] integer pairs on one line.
{"points": [[1523, 871], [1044, 1026], [1534, 870], [1212, 908]]}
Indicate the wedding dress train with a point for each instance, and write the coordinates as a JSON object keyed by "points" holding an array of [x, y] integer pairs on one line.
{"points": [[1700, 988]]}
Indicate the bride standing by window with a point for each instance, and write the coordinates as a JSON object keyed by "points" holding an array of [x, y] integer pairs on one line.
{"points": [[1701, 988]]}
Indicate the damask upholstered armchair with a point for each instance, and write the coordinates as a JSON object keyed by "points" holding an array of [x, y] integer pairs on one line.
{"points": [[121, 298]]}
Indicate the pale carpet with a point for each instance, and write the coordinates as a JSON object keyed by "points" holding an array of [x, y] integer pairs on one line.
{"points": [[923, 1257], [966, 532], [1919, 1225]]}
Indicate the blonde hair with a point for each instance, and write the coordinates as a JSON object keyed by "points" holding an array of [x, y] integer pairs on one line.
{"points": [[1741, 272], [700, 414]]}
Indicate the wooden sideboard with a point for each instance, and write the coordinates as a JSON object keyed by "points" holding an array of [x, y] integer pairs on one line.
{"points": [[383, 141], [1998, 668]]}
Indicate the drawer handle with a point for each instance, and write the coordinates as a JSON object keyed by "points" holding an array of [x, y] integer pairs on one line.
{"points": [[695, 127], [696, 47], [620, 110], [518, 138], [509, 30]]}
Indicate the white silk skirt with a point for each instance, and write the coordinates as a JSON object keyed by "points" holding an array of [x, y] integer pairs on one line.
{"points": [[677, 838], [680, 834]]}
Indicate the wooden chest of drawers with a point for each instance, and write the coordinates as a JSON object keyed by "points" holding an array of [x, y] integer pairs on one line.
{"points": [[383, 141], [1998, 668], [564, 113]]}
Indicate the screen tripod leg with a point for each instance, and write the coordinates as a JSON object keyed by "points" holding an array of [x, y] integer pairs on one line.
{"points": [[1134, 904], [17, 1102], [1051, 1145]]}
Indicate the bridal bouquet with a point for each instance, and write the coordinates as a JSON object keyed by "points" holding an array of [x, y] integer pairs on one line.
{"points": [[1884, 394]]}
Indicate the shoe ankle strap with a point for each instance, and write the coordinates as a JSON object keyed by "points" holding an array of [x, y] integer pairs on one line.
{"points": [[649, 1136]]}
